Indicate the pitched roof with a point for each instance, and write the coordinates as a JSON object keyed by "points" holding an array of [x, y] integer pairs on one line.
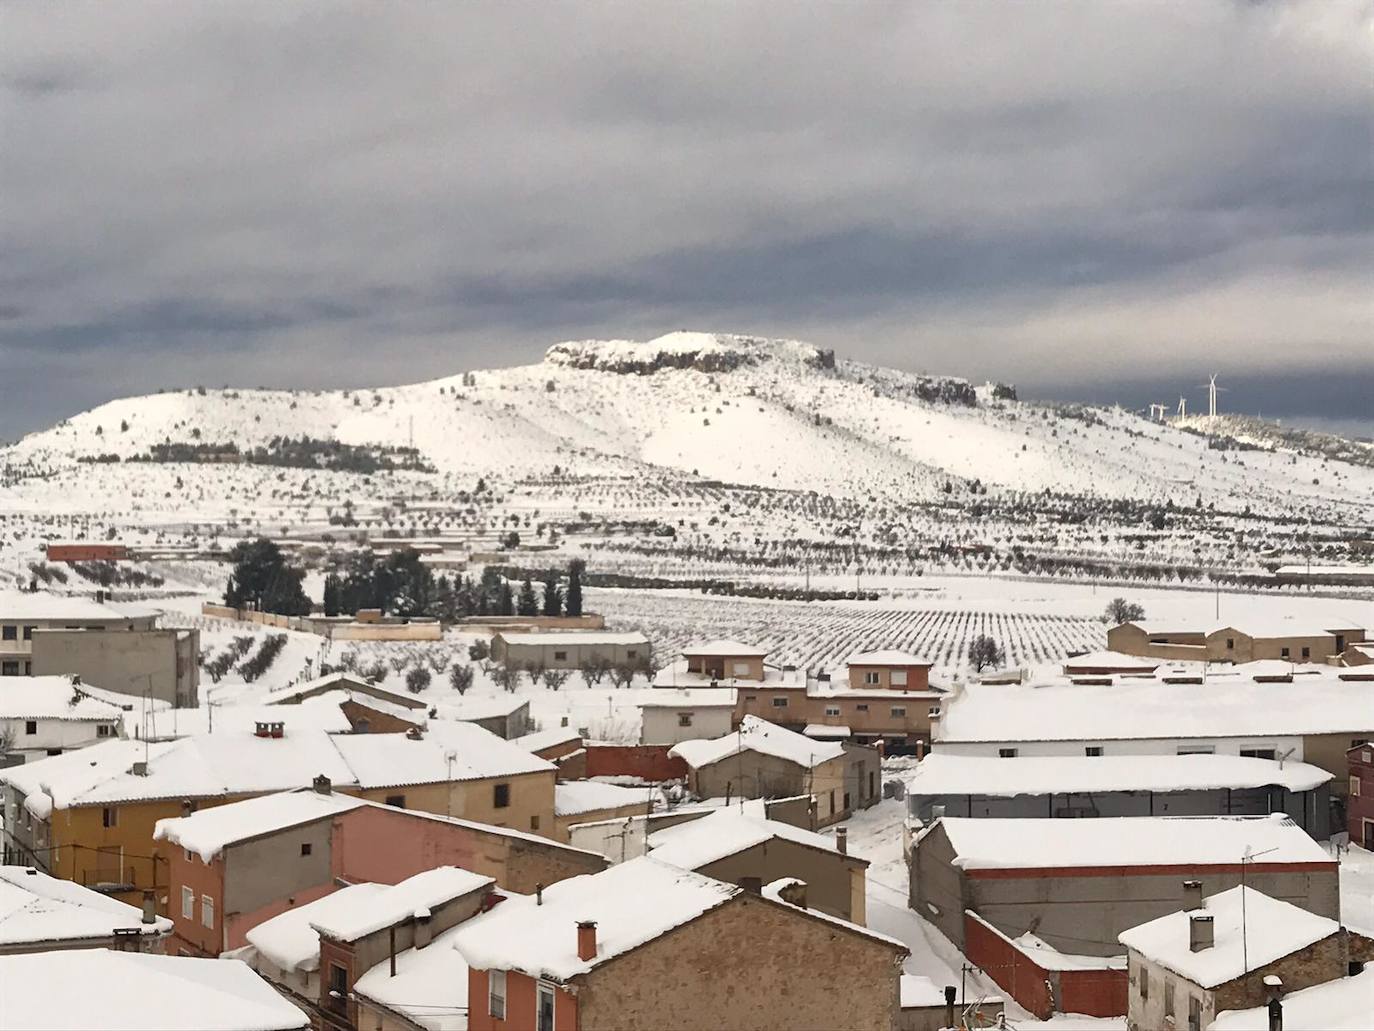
{"points": [[690, 698], [55, 698], [1272, 929], [448, 751], [632, 904], [1126, 841], [573, 637], [1149, 709], [726, 832], [392, 903], [727, 648], [887, 657], [761, 736], [36, 908], [1340, 1005], [1110, 660], [207, 831], [572, 797], [139, 991], [943, 773]]}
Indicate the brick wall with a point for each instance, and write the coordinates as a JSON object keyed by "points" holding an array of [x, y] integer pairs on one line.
{"points": [[1015, 972], [648, 762]]}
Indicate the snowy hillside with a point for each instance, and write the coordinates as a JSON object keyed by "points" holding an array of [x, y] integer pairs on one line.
{"points": [[724, 449]]}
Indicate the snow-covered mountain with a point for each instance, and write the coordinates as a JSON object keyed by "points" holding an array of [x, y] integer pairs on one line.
{"points": [[740, 410]]}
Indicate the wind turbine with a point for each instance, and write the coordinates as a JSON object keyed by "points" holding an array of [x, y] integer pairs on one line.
{"points": [[1183, 407], [1212, 391]]}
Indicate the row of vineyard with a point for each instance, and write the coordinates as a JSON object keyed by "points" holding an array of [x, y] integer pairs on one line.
{"points": [[823, 637]]}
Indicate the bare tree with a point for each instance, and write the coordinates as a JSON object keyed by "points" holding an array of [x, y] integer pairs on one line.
{"points": [[536, 670], [556, 678], [595, 667], [507, 677], [460, 678], [623, 673]]}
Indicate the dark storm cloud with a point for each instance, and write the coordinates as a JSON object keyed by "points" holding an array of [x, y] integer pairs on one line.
{"points": [[1070, 195]]}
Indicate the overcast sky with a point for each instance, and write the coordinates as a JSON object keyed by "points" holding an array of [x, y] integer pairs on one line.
{"points": [[1093, 200]]}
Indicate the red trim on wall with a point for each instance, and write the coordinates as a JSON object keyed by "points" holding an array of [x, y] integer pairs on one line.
{"points": [[1018, 873]]}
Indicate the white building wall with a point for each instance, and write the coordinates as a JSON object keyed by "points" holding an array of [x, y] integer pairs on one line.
{"points": [[663, 726], [50, 734]]}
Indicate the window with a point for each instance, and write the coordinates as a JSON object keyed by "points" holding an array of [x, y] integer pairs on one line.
{"points": [[534, 822], [1284, 653], [1168, 998], [188, 855], [560, 656], [1006, 753], [30, 726], [861, 708], [832, 801], [307, 848], [1259, 753], [740, 669], [684, 719], [10, 632], [54, 751], [933, 712], [544, 1008], [1354, 786], [338, 986], [28, 635], [28, 669], [1195, 750], [496, 994], [898, 678], [104, 731], [871, 677], [188, 903], [751, 698], [631, 653], [1230, 644], [832, 710], [1194, 1013], [500, 796], [9, 669], [846, 801], [1144, 983], [899, 710], [872, 790], [207, 911], [779, 703], [109, 816], [1307, 653], [1092, 750], [396, 801]]}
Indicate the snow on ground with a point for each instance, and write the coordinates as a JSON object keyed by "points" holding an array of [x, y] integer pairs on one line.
{"points": [[1357, 889]]}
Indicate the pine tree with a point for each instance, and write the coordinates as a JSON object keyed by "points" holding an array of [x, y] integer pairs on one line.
{"points": [[528, 602], [575, 570], [553, 598], [333, 588], [505, 600]]}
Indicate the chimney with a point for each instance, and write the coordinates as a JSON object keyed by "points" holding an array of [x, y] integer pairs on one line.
{"points": [[753, 885], [424, 934], [1273, 984], [322, 785], [937, 812], [149, 908], [1192, 895], [1200, 935], [538, 894], [139, 769], [100, 597], [842, 839], [586, 940], [949, 1005]]}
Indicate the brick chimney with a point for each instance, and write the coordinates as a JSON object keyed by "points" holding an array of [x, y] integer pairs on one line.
{"points": [[1192, 895], [323, 786], [149, 907], [1200, 932], [586, 940], [842, 839]]}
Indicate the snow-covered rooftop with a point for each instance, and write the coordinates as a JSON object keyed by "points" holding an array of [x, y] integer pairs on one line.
{"points": [[542, 739], [587, 796], [36, 909], [17, 606], [207, 831], [289, 940], [826, 731], [1273, 929], [1148, 709], [1111, 660], [319, 713], [727, 832], [677, 675], [887, 657], [485, 708], [430, 985], [138, 991], [55, 698], [362, 914], [562, 637], [725, 648], [1260, 625], [760, 736], [942, 773], [1341, 1005], [448, 751], [691, 698], [632, 904], [981, 844]]}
